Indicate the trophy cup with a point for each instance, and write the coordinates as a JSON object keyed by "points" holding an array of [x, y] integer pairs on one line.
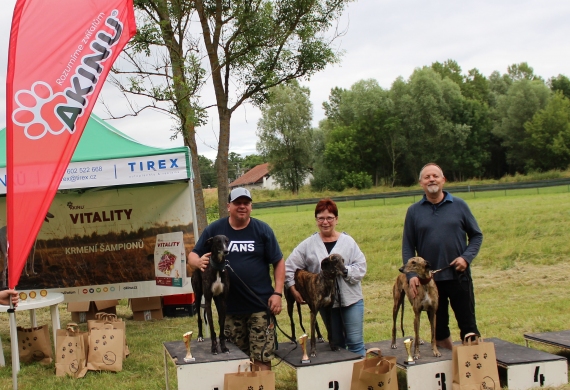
{"points": [[187, 337], [408, 344], [303, 342]]}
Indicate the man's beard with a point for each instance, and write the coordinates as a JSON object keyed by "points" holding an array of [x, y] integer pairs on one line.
{"points": [[432, 189]]}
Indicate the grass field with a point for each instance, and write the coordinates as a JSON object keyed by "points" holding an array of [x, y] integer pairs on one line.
{"points": [[520, 276]]}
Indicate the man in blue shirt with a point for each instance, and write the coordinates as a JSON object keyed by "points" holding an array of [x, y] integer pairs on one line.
{"points": [[252, 249], [441, 229]]}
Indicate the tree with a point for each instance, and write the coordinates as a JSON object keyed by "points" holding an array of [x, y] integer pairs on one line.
{"points": [[523, 99], [252, 160], [560, 83], [254, 45], [285, 134], [548, 141], [160, 64], [362, 118], [207, 172], [429, 110]]}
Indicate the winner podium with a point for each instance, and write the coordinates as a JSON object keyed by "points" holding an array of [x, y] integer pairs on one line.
{"points": [[328, 370], [206, 371]]}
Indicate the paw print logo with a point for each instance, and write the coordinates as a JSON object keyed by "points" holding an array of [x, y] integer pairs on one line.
{"points": [[36, 111], [467, 364], [479, 365], [475, 356], [261, 387], [250, 388], [468, 374], [380, 384], [485, 355], [370, 388]]}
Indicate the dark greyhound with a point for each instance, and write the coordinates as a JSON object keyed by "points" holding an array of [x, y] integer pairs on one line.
{"points": [[319, 291], [214, 284]]}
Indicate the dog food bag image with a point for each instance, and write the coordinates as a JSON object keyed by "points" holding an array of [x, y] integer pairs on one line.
{"points": [[170, 260]]}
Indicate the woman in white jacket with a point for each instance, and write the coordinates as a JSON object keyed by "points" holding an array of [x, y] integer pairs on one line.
{"points": [[348, 318]]}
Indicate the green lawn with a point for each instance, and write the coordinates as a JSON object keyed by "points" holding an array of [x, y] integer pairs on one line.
{"points": [[521, 277]]}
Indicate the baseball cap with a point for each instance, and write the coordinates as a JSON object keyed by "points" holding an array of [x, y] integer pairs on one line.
{"points": [[237, 192]]}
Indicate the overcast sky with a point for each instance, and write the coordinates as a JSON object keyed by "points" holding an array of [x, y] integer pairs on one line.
{"points": [[384, 39]]}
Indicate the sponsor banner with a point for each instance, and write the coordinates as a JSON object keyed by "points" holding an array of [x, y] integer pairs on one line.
{"points": [[170, 260], [121, 171], [59, 56], [101, 244]]}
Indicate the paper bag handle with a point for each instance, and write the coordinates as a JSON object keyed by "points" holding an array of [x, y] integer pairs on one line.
{"points": [[377, 367], [467, 339], [72, 327], [370, 350]]}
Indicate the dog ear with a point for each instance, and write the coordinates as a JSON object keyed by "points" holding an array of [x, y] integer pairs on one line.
{"points": [[326, 264], [209, 242], [401, 269]]}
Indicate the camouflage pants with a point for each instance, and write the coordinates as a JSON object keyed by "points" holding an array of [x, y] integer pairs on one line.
{"points": [[250, 333]]}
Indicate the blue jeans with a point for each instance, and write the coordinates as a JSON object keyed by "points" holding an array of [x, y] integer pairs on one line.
{"points": [[351, 335]]}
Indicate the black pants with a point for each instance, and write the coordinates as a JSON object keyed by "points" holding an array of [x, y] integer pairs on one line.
{"points": [[458, 293]]}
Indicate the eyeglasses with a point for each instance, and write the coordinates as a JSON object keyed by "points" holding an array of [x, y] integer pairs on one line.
{"points": [[323, 219]]}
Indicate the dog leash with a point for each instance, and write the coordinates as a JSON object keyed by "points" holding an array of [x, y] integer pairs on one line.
{"points": [[439, 270], [271, 315]]}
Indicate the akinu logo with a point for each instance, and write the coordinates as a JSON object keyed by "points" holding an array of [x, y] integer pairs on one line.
{"points": [[41, 111], [242, 246]]}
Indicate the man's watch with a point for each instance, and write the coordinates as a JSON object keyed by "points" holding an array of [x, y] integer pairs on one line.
{"points": [[345, 272]]}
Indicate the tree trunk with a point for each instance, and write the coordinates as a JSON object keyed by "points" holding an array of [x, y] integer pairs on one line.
{"points": [[222, 160], [190, 141]]}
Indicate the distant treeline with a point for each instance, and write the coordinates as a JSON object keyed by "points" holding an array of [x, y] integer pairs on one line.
{"points": [[471, 125]]}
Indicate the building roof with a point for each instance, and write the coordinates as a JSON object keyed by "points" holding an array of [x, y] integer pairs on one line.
{"points": [[252, 176]]}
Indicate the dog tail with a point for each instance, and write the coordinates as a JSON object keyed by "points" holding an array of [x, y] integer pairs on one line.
{"points": [[403, 296]]}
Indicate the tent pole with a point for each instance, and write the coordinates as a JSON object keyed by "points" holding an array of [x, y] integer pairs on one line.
{"points": [[14, 345]]}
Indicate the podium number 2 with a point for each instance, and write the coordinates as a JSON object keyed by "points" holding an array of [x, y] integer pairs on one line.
{"points": [[441, 380]]}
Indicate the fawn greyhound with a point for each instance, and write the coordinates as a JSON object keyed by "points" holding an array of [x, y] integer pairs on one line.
{"points": [[425, 300]]}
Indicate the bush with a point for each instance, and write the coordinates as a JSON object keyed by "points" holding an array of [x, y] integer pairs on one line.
{"points": [[358, 180]]}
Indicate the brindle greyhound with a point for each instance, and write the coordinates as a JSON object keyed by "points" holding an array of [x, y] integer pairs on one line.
{"points": [[425, 300], [318, 291], [213, 283]]}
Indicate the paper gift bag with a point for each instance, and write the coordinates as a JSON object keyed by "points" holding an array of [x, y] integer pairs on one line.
{"points": [[101, 318], [375, 371], [106, 348], [475, 366], [254, 379], [34, 345], [71, 348]]}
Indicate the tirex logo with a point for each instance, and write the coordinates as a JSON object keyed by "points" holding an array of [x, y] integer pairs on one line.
{"points": [[41, 111], [153, 165], [241, 246]]}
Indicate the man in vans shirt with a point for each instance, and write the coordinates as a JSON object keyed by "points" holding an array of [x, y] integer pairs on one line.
{"points": [[441, 229], [252, 249]]}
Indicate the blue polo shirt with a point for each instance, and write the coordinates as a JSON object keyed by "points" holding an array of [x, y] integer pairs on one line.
{"points": [[441, 233]]}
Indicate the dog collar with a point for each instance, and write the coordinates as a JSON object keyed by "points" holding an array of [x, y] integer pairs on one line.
{"points": [[425, 281], [217, 266]]}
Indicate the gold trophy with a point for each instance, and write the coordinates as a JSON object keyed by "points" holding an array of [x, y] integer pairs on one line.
{"points": [[303, 342], [187, 338], [408, 344]]}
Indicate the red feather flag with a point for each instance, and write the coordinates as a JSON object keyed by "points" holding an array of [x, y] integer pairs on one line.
{"points": [[60, 53]]}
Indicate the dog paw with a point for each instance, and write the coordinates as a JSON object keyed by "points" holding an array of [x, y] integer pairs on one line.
{"points": [[421, 342], [394, 346], [313, 354], [416, 357], [436, 353], [200, 339], [225, 350], [320, 340]]}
